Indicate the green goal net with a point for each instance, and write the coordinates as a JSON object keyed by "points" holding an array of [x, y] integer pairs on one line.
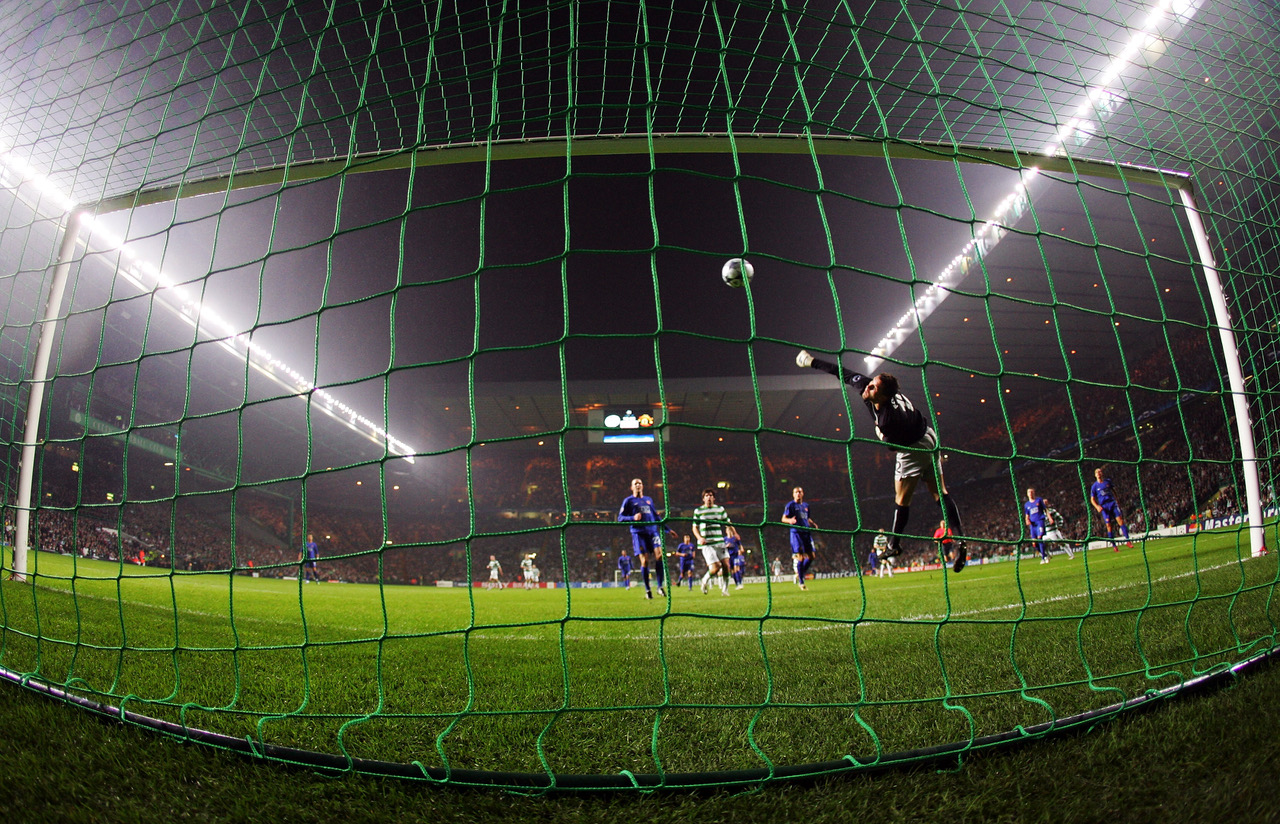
{"points": [[336, 336]]}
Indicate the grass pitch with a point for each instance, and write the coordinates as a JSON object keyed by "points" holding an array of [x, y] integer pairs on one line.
{"points": [[600, 681]]}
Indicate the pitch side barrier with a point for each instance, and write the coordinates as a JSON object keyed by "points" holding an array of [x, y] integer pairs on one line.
{"points": [[1207, 525]]}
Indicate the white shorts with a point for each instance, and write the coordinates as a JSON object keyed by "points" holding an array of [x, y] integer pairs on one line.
{"points": [[713, 553], [920, 460], [1054, 535]]}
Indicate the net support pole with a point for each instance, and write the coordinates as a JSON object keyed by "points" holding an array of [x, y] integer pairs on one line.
{"points": [[35, 398], [1235, 375]]}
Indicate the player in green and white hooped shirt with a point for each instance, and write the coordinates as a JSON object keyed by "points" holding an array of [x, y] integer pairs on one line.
{"points": [[529, 572], [883, 563], [1054, 531], [709, 524]]}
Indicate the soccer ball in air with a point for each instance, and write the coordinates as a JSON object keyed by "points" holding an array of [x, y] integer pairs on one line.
{"points": [[737, 271]]}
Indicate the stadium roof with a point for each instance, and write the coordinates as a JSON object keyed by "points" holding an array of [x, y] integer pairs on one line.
{"points": [[112, 99]]}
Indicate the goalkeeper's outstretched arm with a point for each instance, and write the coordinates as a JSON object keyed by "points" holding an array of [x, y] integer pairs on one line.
{"points": [[854, 379]]}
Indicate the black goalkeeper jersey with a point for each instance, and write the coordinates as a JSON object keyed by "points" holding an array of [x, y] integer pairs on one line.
{"points": [[898, 422]]}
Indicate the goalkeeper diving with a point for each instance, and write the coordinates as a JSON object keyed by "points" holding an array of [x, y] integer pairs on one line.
{"points": [[908, 433]]}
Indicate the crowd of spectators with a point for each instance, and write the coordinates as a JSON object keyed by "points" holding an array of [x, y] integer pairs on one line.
{"points": [[1172, 461]]}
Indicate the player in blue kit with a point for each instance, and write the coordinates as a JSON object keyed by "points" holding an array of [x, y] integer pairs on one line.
{"points": [[908, 433], [796, 513], [309, 555], [1035, 512], [624, 567], [737, 560], [1104, 502], [687, 556], [645, 543]]}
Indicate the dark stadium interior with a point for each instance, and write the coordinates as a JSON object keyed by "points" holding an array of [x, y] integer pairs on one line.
{"points": [[493, 381]]}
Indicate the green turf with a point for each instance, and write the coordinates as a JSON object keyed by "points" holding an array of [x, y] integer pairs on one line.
{"points": [[599, 681], [1211, 757]]}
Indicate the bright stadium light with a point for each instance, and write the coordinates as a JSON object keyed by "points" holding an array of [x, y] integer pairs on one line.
{"points": [[18, 176], [192, 311], [1098, 104], [16, 172], [144, 275]]}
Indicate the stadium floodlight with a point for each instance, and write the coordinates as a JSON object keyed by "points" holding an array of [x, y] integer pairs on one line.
{"points": [[17, 174], [204, 319], [1098, 103]]}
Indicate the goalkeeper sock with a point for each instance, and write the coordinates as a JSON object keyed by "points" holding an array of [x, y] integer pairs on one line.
{"points": [[901, 514], [952, 512]]}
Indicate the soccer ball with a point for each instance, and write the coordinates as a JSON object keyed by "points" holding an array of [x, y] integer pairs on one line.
{"points": [[737, 271]]}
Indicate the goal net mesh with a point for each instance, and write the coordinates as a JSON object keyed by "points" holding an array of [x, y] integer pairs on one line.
{"points": [[371, 314]]}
